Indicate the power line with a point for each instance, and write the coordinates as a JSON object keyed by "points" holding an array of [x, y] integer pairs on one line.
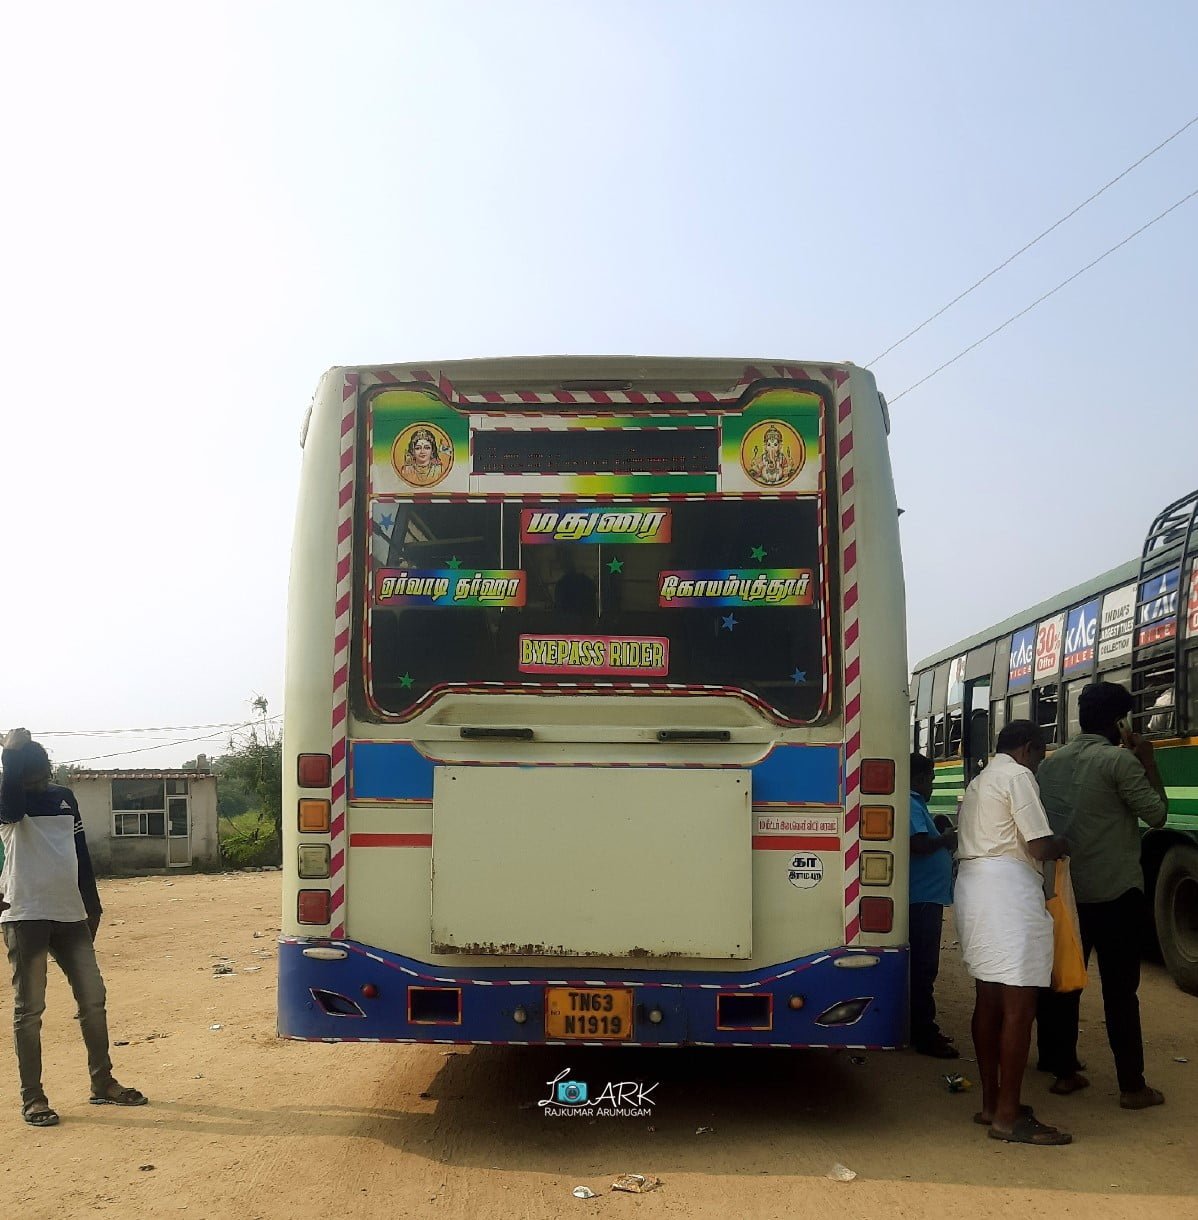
{"points": [[1040, 299], [162, 745], [161, 728], [1023, 249]]}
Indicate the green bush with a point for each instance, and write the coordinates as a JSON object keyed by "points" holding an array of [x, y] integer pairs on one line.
{"points": [[250, 841]]}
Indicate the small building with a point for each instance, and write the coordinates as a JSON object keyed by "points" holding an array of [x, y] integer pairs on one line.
{"points": [[149, 820]]}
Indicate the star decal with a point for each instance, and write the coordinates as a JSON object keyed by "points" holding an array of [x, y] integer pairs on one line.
{"points": [[799, 675], [387, 520], [406, 681], [616, 565], [758, 553], [729, 621], [453, 562]]}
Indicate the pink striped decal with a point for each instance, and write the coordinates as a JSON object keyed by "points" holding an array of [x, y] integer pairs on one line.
{"points": [[341, 635], [603, 398], [852, 667]]}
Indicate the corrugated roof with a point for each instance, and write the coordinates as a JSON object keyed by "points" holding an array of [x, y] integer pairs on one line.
{"points": [[1124, 574], [143, 773]]}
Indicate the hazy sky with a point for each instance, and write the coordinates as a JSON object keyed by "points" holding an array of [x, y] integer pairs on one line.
{"points": [[208, 204]]}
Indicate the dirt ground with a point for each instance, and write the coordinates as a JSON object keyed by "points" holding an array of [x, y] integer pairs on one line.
{"points": [[243, 1125]]}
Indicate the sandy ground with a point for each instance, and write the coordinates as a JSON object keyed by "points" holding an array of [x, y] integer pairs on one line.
{"points": [[243, 1125]]}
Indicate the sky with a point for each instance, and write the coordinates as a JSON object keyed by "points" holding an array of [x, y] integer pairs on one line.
{"points": [[207, 205]]}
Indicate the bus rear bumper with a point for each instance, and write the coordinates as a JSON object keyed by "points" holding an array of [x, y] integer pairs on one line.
{"points": [[342, 991]]}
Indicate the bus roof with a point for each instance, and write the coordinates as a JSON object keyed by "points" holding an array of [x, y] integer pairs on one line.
{"points": [[1124, 574]]}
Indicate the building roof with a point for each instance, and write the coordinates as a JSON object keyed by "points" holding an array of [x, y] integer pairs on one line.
{"points": [[141, 773]]}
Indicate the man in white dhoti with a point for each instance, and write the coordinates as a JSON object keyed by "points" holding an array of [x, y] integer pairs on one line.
{"points": [[1005, 930]]}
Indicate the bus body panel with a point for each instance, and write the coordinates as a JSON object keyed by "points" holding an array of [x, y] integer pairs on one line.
{"points": [[798, 835]]}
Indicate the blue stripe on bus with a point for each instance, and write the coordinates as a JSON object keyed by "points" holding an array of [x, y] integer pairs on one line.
{"points": [[791, 775], [798, 775], [389, 771]]}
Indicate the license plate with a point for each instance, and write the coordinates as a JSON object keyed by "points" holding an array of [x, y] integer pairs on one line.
{"points": [[598, 1014]]}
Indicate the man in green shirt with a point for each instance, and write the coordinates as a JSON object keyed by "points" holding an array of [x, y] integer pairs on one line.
{"points": [[1096, 790]]}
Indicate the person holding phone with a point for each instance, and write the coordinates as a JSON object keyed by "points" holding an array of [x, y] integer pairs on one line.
{"points": [[1096, 789]]}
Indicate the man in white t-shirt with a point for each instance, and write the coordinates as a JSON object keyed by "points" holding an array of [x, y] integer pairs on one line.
{"points": [[52, 909], [1004, 927]]}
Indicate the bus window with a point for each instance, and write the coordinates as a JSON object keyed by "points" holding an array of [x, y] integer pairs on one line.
{"points": [[1191, 705], [954, 734], [1002, 671], [923, 698], [1021, 706], [998, 717], [1155, 713], [939, 688], [925, 736], [1047, 705], [938, 740], [1072, 693]]}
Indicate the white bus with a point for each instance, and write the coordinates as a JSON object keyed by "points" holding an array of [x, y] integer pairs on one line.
{"points": [[596, 708]]}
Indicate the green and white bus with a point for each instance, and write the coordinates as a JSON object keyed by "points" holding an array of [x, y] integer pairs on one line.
{"points": [[1136, 624]]}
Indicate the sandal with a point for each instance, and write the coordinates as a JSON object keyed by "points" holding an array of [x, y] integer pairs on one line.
{"points": [[39, 1114], [1030, 1130], [982, 1121], [118, 1095]]}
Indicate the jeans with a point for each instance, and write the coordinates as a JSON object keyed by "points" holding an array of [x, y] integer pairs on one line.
{"points": [[1112, 930], [30, 943], [927, 919]]}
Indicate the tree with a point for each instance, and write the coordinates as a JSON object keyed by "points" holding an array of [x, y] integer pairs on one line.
{"points": [[250, 777]]}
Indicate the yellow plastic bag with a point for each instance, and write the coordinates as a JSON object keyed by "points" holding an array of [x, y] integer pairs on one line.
{"points": [[1068, 960]]}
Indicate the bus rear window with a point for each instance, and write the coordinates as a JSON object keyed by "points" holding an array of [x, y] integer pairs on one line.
{"points": [[711, 594]]}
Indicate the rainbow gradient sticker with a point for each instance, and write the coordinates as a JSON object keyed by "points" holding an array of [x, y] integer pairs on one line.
{"points": [[736, 587], [448, 587], [626, 526]]}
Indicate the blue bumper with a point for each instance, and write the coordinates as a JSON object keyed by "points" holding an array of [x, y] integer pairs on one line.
{"points": [[353, 993]]}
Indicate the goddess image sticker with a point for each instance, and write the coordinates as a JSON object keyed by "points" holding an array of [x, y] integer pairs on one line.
{"points": [[772, 453], [422, 455]]}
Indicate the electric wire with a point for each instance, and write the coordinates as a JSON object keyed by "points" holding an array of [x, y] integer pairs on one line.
{"points": [[164, 745], [159, 728], [1044, 297], [1039, 237]]}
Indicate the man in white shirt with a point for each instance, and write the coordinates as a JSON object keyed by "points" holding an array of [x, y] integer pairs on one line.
{"points": [[52, 909], [1005, 929]]}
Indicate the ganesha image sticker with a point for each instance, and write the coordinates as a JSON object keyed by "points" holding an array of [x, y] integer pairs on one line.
{"points": [[772, 453], [422, 455]]}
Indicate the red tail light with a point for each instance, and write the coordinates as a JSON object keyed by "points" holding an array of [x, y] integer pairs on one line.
{"points": [[877, 914], [877, 776], [312, 907], [315, 770]]}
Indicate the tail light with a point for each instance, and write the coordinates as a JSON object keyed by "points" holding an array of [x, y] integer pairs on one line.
{"points": [[314, 770], [312, 906], [313, 860], [877, 822], [877, 914], [877, 776], [877, 867], [314, 816]]}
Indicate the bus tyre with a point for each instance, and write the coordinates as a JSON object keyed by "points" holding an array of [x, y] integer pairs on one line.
{"points": [[1176, 914]]}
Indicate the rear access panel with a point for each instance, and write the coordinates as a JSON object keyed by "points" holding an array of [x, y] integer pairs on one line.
{"points": [[584, 861]]}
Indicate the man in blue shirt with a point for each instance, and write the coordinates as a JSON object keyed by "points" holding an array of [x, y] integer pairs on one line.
{"points": [[931, 892]]}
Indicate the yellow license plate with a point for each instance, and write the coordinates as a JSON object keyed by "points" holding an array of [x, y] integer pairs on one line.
{"points": [[598, 1014]]}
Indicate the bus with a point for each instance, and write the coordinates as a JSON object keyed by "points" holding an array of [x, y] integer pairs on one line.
{"points": [[595, 724], [1136, 624]]}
